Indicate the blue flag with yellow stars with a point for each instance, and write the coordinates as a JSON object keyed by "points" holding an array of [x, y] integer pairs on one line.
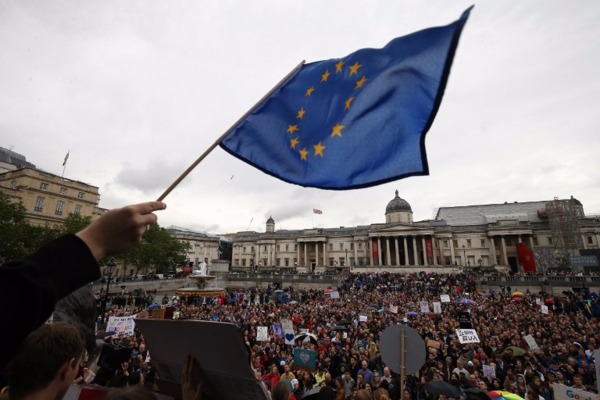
{"points": [[355, 121]]}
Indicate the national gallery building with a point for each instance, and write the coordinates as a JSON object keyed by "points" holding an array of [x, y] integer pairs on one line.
{"points": [[488, 235]]}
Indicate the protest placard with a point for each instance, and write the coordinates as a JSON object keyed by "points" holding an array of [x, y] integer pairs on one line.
{"points": [[445, 298], [467, 336], [437, 307], [544, 309], [120, 325], [393, 309], [531, 342], [262, 334], [562, 392], [424, 306], [277, 331], [305, 359], [489, 371]]}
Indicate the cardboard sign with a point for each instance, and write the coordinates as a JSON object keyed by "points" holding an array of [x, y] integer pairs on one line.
{"points": [[544, 309], [277, 331], [464, 320], [538, 301], [363, 318], [424, 306], [120, 325], [262, 334], [393, 309], [531, 342], [445, 298], [437, 307], [335, 294], [467, 336], [489, 371], [305, 359], [562, 392]]}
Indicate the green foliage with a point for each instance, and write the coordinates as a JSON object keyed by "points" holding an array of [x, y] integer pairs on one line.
{"points": [[158, 251], [75, 223]]}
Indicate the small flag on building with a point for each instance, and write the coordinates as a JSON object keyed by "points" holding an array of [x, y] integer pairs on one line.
{"points": [[317, 211], [66, 158]]}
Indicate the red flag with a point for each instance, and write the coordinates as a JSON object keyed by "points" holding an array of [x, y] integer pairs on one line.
{"points": [[526, 257], [66, 158]]}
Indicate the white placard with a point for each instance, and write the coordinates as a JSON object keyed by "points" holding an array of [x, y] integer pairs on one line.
{"points": [[445, 298], [562, 392], [437, 307], [393, 309], [489, 371], [335, 294], [538, 301], [544, 309], [467, 336], [262, 333], [531, 342], [424, 306], [120, 325], [363, 318]]}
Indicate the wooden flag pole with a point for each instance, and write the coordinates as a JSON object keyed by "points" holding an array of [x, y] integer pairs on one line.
{"points": [[215, 144]]}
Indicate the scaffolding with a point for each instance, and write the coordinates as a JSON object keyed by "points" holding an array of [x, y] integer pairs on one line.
{"points": [[563, 218]]}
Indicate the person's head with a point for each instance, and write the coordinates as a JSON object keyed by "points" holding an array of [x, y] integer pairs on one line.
{"points": [[281, 391], [364, 364], [48, 359], [339, 383], [326, 393], [387, 372]]}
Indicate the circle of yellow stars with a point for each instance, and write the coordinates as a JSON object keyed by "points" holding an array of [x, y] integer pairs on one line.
{"points": [[337, 129]]}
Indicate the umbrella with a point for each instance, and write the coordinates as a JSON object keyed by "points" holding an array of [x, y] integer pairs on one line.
{"points": [[307, 337], [517, 299], [518, 294], [328, 290], [312, 393], [442, 388], [502, 395], [517, 351], [412, 313], [466, 301], [153, 306], [279, 291], [344, 322], [549, 300], [293, 302], [339, 328], [476, 394]]}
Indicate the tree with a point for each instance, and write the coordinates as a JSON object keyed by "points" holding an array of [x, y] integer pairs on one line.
{"points": [[12, 229], [75, 223], [158, 251]]}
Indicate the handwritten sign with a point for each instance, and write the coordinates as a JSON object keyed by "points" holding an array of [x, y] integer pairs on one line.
{"points": [[467, 336], [120, 325], [489, 371], [437, 307], [544, 309], [305, 359], [531, 342], [424, 306], [262, 333], [445, 298]]}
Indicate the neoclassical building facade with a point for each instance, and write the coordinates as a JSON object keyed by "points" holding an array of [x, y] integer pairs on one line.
{"points": [[467, 236]]}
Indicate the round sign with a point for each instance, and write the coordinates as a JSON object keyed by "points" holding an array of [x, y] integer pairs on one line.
{"points": [[391, 349]]}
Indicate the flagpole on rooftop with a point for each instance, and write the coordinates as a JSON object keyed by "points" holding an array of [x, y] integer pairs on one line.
{"points": [[215, 144]]}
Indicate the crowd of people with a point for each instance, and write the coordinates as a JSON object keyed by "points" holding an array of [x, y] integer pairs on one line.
{"points": [[348, 323]]}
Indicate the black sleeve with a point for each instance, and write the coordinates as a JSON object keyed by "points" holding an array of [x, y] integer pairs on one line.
{"points": [[30, 288]]}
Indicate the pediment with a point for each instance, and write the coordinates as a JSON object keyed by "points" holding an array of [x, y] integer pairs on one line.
{"points": [[400, 228]]}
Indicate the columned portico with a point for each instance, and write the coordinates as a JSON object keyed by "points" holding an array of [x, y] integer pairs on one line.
{"points": [[405, 240]]}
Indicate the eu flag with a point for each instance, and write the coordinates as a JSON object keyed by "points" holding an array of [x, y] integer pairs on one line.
{"points": [[355, 121]]}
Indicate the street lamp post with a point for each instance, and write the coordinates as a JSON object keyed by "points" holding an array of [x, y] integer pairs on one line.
{"points": [[110, 269]]}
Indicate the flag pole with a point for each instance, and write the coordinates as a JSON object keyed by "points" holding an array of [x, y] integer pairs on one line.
{"points": [[215, 144]]}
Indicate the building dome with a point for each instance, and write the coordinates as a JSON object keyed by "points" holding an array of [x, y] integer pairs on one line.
{"points": [[270, 220], [398, 204]]}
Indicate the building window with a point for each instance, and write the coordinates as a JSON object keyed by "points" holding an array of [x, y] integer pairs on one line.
{"points": [[80, 195], [331, 246], [39, 204], [509, 241], [341, 246], [351, 246], [331, 261], [550, 241], [59, 207], [360, 261], [287, 247], [63, 191], [360, 246], [295, 262], [535, 241], [590, 240], [278, 262], [78, 209], [43, 186], [287, 262], [244, 249], [265, 247], [468, 242], [455, 243], [447, 259], [243, 262], [482, 242], [446, 246]]}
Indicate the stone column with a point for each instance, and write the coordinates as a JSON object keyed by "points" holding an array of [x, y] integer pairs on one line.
{"points": [[379, 251], [453, 260], [406, 260], [425, 260], [388, 258], [306, 255], [325, 253], [531, 242], [434, 251], [504, 257], [355, 253], [317, 253], [416, 254], [275, 254], [519, 240], [397, 251], [298, 253]]}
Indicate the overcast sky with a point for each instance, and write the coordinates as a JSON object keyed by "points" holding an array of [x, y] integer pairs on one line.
{"points": [[137, 90]]}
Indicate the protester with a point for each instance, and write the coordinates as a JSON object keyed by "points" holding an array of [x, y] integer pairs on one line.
{"points": [[34, 285]]}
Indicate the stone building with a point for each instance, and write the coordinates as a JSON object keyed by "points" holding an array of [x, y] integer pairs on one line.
{"points": [[487, 235], [48, 199]]}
